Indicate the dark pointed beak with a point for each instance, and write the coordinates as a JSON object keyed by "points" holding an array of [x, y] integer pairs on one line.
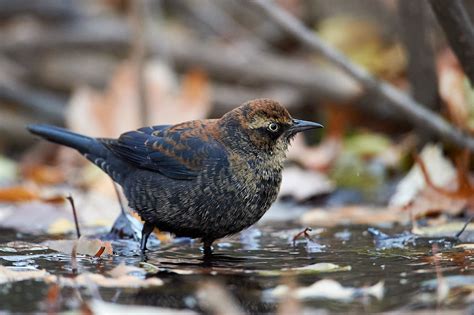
{"points": [[302, 125]]}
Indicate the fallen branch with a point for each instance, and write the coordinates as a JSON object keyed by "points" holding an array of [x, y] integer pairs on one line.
{"points": [[220, 61], [413, 110], [453, 18]]}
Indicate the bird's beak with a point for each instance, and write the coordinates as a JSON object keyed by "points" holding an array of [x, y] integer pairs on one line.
{"points": [[302, 125]]}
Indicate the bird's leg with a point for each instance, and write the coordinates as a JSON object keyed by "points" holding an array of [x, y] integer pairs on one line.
{"points": [[146, 231], [207, 247]]}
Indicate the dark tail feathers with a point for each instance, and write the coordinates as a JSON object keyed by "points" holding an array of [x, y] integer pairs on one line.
{"points": [[65, 137]]}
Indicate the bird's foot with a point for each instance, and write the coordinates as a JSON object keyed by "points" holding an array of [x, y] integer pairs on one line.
{"points": [[146, 231]]}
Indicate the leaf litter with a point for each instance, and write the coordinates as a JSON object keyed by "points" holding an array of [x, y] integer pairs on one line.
{"points": [[120, 277], [330, 289]]}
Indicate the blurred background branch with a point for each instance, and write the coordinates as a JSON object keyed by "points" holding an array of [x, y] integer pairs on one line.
{"points": [[415, 112], [459, 30]]}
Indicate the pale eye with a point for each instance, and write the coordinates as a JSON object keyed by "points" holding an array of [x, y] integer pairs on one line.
{"points": [[273, 127]]}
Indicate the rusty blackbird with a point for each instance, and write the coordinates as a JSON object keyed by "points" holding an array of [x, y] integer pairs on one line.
{"points": [[201, 179]]}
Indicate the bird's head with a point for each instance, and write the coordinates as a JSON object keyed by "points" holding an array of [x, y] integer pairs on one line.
{"points": [[263, 125]]}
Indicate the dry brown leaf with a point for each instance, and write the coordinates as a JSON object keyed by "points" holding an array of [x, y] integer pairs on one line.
{"points": [[118, 110], [44, 174], [27, 194], [451, 199], [353, 215], [439, 168], [85, 246], [430, 202], [18, 194]]}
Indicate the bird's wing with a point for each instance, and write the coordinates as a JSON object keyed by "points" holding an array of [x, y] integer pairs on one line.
{"points": [[178, 152]]}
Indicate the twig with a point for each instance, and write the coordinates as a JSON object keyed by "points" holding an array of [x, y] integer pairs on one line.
{"points": [[459, 31], [469, 220], [304, 233], [414, 111], [100, 252], [76, 222]]}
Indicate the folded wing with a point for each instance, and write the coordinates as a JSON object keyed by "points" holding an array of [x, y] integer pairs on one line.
{"points": [[178, 153]]}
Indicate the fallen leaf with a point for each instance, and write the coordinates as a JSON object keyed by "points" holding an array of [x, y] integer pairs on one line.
{"points": [[353, 215], [44, 174], [9, 274], [466, 246], [451, 198], [439, 168], [331, 289], [96, 114], [125, 270], [430, 202], [322, 267], [85, 246], [447, 229], [304, 184], [18, 194], [310, 269], [124, 281]]}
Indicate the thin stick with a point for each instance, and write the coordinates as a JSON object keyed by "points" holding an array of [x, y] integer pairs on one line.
{"points": [[469, 220], [304, 233], [399, 100], [76, 222], [459, 30]]}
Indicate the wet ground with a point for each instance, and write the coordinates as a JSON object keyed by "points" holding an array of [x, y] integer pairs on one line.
{"points": [[250, 265]]}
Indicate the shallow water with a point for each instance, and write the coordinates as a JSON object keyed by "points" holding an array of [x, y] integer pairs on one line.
{"points": [[249, 265]]}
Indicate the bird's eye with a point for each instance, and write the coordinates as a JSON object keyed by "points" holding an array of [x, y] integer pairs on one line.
{"points": [[273, 127]]}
